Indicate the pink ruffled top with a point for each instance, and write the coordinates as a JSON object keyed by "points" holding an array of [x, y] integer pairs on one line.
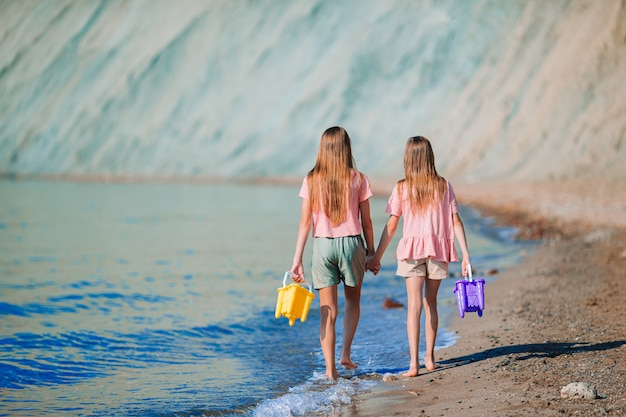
{"points": [[360, 191], [429, 234]]}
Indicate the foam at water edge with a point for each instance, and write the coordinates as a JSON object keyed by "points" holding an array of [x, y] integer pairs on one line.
{"points": [[317, 395]]}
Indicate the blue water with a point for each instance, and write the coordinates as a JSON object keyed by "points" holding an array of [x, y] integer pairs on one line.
{"points": [[158, 299]]}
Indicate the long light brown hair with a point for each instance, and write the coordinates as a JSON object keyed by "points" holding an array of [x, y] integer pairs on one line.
{"points": [[329, 180], [423, 185]]}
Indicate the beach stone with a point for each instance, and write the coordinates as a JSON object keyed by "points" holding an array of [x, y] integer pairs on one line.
{"points": [[579, 390], [598, 235], [391, 303], [389, 377]]}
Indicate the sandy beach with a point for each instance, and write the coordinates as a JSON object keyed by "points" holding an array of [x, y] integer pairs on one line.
{"points": [[555, 319], [524, 103]]}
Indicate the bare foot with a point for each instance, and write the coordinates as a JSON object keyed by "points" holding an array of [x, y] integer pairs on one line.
{"points": [[430, 364], [432, 368], [348, 364], [332, 377], [412, 372]]}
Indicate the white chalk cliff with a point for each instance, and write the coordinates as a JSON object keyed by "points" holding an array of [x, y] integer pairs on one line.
{"points": [[527, 90]]}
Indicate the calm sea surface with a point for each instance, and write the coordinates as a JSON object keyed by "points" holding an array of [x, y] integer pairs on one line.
{"points": [[158, 300]]}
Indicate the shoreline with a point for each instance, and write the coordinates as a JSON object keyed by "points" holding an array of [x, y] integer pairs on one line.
{"points": [[554, 319]]}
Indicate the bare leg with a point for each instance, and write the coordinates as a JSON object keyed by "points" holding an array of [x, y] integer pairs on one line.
{"points": [[328, 311], [350, 322], [414, 290], [432, 321]]}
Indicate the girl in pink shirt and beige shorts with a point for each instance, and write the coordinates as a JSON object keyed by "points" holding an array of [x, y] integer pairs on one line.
{"points": [[431, 222]]}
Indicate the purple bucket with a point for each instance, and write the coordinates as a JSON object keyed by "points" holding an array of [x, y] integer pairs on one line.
{"points": [[470, 295]]}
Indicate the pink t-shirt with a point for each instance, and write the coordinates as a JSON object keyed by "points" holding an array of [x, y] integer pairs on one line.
{"points": [[351, 226], [429, 234]]}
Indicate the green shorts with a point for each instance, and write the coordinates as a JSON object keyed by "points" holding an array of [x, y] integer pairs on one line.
{"points": [[338, 259]]}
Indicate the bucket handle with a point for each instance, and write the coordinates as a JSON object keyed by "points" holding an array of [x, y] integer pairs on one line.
{"points": [[469, 273], [290, 274]]}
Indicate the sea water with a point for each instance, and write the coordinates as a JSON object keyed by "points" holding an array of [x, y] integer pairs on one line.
{"points": [[159, 299]]}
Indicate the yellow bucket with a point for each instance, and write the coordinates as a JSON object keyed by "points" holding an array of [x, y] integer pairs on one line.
{"points": [[293, 301]]}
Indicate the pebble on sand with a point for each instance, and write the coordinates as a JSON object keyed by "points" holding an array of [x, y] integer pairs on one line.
{"points": [[389, 377], [579, 390]]}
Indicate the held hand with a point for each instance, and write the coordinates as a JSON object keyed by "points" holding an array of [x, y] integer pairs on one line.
{"points": [[372, 265], [297, 273], [465, 263]]}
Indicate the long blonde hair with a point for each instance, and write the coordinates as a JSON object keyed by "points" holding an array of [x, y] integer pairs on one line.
{"points": [[329, 180], [423, 185]]}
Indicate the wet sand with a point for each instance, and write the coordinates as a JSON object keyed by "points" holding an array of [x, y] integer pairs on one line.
{"points": [[558, 317]]}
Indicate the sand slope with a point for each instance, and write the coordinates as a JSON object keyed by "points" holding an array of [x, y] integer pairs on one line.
{"points": [[555, 319]]}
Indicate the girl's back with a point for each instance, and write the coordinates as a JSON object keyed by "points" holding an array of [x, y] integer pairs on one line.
{"points": [[428, 204], [346, 224], [427, 232]]}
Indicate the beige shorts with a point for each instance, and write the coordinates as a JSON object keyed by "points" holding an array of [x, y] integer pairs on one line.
{"points": [[428, 268]]}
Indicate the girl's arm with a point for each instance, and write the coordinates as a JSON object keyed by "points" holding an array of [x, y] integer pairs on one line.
{"points": [[459, 233], [303, 232], [385, 239], [366, 222]]}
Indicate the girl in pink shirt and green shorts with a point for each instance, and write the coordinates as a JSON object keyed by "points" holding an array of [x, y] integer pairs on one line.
{"points": [[335, 210], [431, 222]]}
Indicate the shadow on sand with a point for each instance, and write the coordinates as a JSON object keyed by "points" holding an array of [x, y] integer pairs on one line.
{"points": [[529, 351]]}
